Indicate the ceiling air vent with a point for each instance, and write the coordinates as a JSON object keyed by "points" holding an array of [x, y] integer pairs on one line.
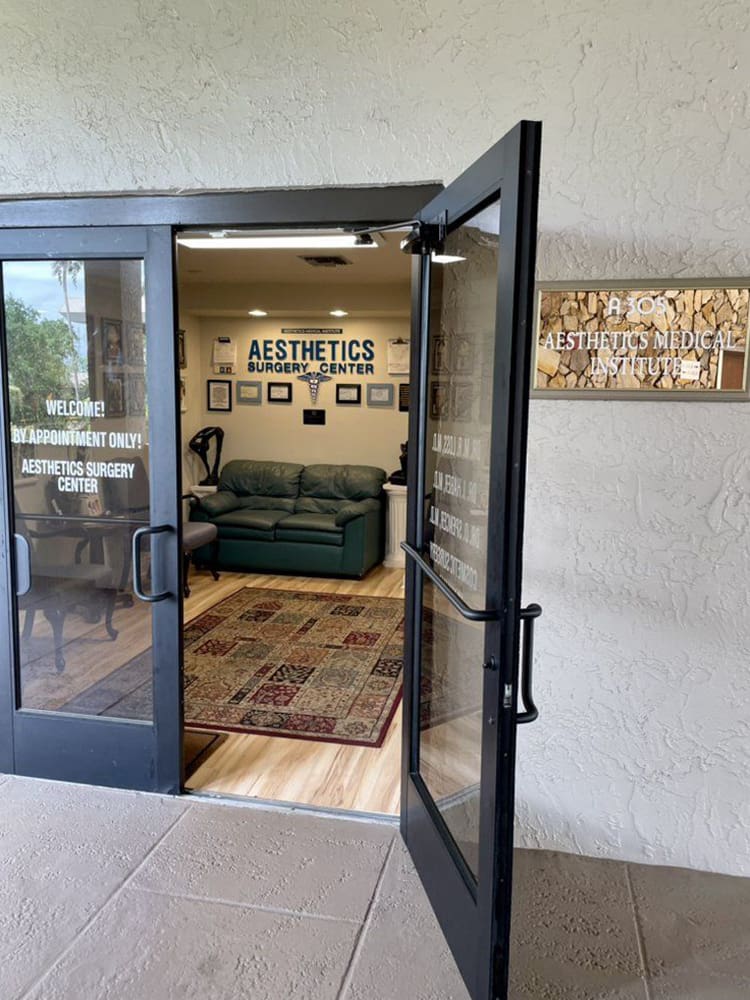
{"points": [[325, 260]]}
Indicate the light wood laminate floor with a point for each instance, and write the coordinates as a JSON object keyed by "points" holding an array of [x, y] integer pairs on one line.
{"points": [[272, 767]]}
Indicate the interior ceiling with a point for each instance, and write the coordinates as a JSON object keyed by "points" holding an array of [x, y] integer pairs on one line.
{"points": [[385, 264]]}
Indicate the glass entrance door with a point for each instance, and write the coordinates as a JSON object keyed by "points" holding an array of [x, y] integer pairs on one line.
{"points": [[472, 327], [91, 455]]}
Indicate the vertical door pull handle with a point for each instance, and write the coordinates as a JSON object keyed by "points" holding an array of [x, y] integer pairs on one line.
{"points": [[23, 566], [531, 712], [137, 573]]}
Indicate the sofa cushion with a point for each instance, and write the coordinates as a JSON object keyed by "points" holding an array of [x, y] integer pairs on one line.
{"points": [[248, 523], [213, 505], [317, 528], [341, 482], [318, 505], [261, 479], [267, 503], [356, 508]]}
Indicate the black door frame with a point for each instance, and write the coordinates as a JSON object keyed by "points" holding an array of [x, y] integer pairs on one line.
{"points": [[344, 207], [273, 207], [475, 915]]}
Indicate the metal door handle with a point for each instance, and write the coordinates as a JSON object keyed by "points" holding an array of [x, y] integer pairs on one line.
{"points": [[531, 712], [471, 614], [139, 591], [23, 566]]}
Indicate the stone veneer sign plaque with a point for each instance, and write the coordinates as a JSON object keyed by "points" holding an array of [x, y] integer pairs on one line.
{"points": [[610, 340]]}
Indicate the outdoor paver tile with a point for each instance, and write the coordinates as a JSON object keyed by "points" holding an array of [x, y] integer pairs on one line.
{"points": [[63, 850], [403, 954], [573, 933], [696, 933], [293, 861], [148, 946]]}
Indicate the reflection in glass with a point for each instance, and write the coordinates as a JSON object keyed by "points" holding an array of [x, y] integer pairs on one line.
{"points": [[76, 350], [461, 359], [450, 717]]}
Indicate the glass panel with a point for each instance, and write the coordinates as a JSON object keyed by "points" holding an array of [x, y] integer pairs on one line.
{"points": [[450, 703], [79, 442], [461, 346]]}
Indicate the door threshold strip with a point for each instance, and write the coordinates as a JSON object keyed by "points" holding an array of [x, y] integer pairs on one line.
{"points": [[276, 805]]}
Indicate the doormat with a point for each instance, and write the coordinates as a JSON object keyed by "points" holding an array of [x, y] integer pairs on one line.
{"points": [[303, 665]]}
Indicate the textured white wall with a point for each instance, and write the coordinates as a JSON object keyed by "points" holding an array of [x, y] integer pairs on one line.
{"points": [[638, 512], [638, 547]]}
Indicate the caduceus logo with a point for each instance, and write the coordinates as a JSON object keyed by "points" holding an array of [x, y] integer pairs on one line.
{"points": [[314, 380]]}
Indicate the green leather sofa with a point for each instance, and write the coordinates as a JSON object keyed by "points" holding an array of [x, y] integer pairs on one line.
{"points": [[278, 517]]}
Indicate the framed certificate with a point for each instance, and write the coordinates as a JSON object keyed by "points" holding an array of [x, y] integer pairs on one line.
{"points": [[279, 392], [349, 394], [380, 394], [249, 393], [220, 394]]}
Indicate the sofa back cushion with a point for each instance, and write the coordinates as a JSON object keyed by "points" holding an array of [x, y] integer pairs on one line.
{"points": [[318, 505], [262, 485], [337, 483]]}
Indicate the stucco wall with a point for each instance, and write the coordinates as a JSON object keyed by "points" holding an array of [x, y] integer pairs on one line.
{"points": [[638, 513]]}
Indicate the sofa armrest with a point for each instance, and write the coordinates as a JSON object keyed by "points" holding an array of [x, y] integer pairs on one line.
{"points": [[217, 503], [356, 508]]}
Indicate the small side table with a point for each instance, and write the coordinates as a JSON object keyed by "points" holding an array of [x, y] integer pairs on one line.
{"points": [[395, 525]]}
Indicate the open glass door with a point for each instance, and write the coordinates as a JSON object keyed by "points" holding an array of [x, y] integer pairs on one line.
{"points": [[472, 321], [90, 645]]}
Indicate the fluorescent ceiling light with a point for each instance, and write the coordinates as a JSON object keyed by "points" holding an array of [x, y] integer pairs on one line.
{"points": [[337, 241], [339, 312], [445, 258], [257, 312]]}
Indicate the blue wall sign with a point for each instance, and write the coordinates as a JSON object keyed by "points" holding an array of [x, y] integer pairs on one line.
{"points": [[297, 356]]}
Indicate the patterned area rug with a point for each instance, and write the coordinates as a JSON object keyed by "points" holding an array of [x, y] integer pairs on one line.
{"points": [[296, 664]]}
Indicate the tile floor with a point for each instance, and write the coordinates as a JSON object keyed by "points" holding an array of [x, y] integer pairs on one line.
{"points": [[107, 894]]}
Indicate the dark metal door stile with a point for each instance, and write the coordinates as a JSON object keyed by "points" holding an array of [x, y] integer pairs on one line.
{"points": [[9, 575]]}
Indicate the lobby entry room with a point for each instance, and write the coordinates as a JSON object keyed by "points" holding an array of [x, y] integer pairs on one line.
{"points": [[294, 379]]}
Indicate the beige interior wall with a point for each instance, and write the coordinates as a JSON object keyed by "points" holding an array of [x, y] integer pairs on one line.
{"points": [[194, 383], [352, 434], [232, 298]]}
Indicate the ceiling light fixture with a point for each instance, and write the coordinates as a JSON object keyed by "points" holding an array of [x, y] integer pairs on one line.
{"points": [[339, 312], [446, 258], [257, 312], [338, 241]]}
